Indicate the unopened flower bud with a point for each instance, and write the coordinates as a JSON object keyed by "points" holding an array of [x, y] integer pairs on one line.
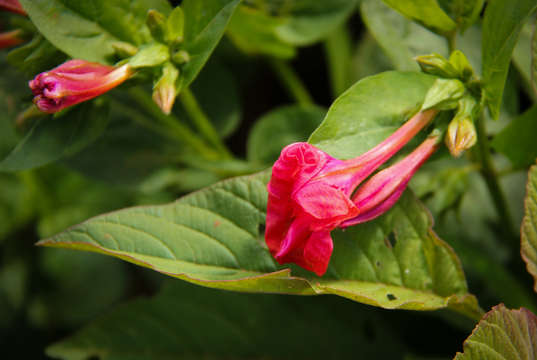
{"points": [[181, 57], [437, 65], [73, 82], [13, 6], [165, 90], [156, 22], [175, 26], [461, 135], [461, 65]]}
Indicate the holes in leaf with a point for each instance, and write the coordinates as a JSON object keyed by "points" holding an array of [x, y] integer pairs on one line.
{"points": [[390, 240], [378, 263], [391, 297], [261, 229]]}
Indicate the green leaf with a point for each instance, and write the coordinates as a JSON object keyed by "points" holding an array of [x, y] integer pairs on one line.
{"points": [[310, 21], [502, 334], [502, 24], [205, 23], [400, 38], [254, 32], [186, 322], [370, 111], [529, 225], [35, 56], [517, 140], [53, 138], [281, 127], [87, 30], [426, 12]]}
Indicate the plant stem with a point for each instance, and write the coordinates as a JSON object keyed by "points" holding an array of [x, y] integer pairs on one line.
{"points": [[295, 87], [202, 122], [338, 48], [452, 41], [490, 176], [181, 131]]}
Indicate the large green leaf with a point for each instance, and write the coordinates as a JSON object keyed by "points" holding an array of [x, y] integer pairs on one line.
{"points": [[214, 237], [205, 24], [400, 38], [88, 29], [186, 322], [529, 226], [517, 140], [502, 334], [281, 127], [370, 111], [502, 24], [53, 138], [426, 12]]}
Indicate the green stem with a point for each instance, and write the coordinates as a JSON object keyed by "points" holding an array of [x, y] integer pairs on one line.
{"points": [[452, 41], [202, 122], [295, 87], [491, 179], [338, 48], [181, 131]]}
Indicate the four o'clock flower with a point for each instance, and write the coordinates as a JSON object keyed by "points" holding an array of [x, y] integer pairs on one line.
{"points": [[73, 82], [13, 6], [310, 195]]}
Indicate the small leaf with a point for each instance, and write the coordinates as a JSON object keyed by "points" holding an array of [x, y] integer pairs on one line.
{"points": [[400, 38], [464, 12], [529, 225], [53, 138], [426, 12], [517, 139], [370, 111], [502, 334], [502, 24], [87, 30], [187, 322], [279, 128], [205, 23]]}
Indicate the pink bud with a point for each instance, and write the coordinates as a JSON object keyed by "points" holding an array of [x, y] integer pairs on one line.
{"points": [[13, 6], [309, 195], [73, 82], [10, 39]]}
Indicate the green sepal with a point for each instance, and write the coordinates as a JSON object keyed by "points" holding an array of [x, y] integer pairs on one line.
{"points": [[444, 95], [437, 65], [150, 55], [461, 133], [167, 88]]}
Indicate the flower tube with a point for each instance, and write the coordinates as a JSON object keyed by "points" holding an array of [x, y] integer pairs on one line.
{"points": [[309, 195], [382, 191], [73, 82]]}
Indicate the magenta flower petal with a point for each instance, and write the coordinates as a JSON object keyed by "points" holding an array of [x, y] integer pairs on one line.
{"points": [[73, 82], [309, 196]]}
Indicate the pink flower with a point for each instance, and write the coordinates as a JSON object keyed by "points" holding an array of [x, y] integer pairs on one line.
{"points": [[309, 196], [10, 39], [73, 82], [13, 6]]}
